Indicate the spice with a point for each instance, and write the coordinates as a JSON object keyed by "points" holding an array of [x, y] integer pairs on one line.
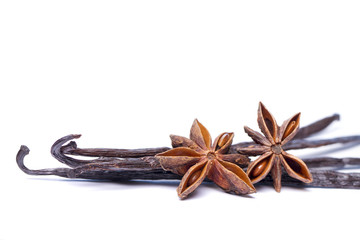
{"points": [[197, 158], [316, 127], [60, 152], [271, 148], [138, 168], [128, 164]]}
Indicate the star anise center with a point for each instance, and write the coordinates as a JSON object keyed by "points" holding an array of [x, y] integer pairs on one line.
{"points": [[276, 149], [211, 155]]}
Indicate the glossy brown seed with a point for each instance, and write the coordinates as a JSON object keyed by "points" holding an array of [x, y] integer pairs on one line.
{"points": [[223, 140], [256, 171], [289, 129], [194, 177]]}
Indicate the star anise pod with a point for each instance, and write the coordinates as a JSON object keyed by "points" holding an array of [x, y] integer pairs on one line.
{"points": [[196, 158], [273, 156]]}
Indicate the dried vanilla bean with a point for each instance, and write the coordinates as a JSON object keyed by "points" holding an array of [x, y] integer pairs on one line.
{"points": [[24, 150], [72, 149], [254, 149], [58, 150], [143, 170], [330, 162], [322, 178], [316, 127], [146, 168]]}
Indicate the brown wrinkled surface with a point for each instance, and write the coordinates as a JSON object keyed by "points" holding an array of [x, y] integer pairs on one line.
{"points": [[273, 155], [140, 164], [196, 158]]}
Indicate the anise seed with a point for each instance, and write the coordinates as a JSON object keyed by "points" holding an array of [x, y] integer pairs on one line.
{"points": [[289, 129], [194, 177], [259, 169], [223, 140]]}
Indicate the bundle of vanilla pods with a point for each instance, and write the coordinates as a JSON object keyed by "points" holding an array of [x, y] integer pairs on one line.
{"points": [[197, 159]]}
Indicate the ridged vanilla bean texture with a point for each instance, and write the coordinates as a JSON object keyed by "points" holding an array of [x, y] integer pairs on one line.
{"points": [[139, 169], [128, 164]]}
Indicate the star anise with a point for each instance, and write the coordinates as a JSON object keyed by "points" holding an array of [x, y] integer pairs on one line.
{"points": [[196, 158], [273, 156]]}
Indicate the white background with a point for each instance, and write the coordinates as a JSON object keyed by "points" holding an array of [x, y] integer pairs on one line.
{"points": [[126, 74]]}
